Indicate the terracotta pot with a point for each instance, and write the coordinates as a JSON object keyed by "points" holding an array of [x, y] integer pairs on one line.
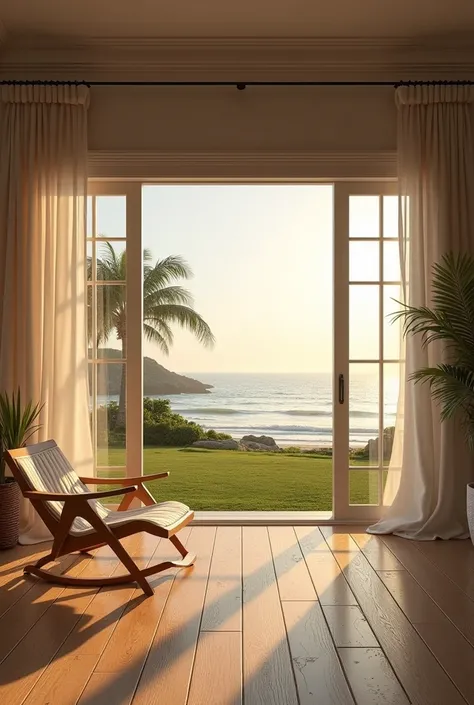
{"points": [[10, 497]]}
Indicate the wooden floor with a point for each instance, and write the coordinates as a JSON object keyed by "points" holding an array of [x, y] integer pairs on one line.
{"points": [[268, 616]]}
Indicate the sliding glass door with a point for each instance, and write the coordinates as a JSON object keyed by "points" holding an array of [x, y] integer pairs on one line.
{"points": [[367, 344], [354, 440]]}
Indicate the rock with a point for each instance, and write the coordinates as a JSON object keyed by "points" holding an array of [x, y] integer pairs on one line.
{"points": [[265, 443], [228, 444]]}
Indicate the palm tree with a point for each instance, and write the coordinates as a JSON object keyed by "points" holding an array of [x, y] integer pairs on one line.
{"points": [[450, 320], [164, 303]]}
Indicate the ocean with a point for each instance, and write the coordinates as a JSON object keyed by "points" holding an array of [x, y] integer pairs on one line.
{"points": [[294, 409]]}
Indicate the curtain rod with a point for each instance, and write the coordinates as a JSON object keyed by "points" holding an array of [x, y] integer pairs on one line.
{"points": [[239, 85]]}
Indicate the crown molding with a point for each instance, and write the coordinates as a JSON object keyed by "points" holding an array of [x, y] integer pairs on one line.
{"points": [[145, 165], [149, 58]]}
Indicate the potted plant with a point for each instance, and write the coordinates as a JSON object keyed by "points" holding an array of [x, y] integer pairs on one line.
{"points": [[450, 320], [17, 425]]}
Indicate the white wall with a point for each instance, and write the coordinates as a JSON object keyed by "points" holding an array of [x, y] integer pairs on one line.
{"points": [[278, 119]]}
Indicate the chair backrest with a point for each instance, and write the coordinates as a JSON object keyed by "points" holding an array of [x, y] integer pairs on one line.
{"points": [[44, 467]]}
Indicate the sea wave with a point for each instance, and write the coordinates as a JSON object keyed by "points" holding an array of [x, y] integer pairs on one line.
{"points": [[279, 428], [224, 411], [210, 410], [361, 414]]}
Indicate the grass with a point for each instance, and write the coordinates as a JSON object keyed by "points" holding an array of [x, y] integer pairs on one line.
{"points": [[230, 480]]}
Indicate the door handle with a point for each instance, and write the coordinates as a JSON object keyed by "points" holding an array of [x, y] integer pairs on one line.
{"points": [[341, 389]]}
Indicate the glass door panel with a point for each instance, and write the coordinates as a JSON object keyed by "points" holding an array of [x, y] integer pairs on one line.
{"points": [[114, 349], [367, 344]]}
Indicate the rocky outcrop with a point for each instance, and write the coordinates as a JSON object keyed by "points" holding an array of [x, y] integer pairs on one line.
{"points": [[265, 443], [228, 444], [157, 379], [259, 443]]}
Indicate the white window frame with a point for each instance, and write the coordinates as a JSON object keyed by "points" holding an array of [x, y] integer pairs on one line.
{"points": [[342, 509]]}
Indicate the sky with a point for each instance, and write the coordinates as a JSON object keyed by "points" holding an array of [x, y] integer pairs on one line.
{"points": [[262, 257]]}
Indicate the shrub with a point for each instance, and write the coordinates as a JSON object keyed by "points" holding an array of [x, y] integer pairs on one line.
{"points": [[161, 426], [164, 434], [212, 435]]}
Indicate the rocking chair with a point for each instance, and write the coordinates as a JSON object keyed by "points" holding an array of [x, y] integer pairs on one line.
{"points": [[78, 520]]}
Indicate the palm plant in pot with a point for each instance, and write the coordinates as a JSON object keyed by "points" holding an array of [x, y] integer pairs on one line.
{"points": [[450, 320], [17, 425]]}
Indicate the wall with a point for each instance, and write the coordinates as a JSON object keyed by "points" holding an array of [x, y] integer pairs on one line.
{"points": [[276, 119]]}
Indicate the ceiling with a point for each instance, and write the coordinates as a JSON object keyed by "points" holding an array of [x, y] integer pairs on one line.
{"points": [[240, 18]]}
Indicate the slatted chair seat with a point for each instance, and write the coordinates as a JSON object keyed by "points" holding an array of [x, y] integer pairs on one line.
{"points": [[165, 515], [79, 521]]}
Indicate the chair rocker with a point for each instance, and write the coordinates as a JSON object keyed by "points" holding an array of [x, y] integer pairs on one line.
{"points": [[78, 520]]}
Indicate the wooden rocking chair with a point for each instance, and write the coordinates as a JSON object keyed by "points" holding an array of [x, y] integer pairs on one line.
{"points": [[78, 520]]}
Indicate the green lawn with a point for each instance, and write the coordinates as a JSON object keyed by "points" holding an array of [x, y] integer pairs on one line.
{"points": [[230, 480]]}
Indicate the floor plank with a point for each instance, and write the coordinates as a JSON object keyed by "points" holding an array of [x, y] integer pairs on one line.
{"points": [[217, 681], [223, 605], [454, 558], [377, 552], [371, 678], [338, 540], [127, 650], [453, 652], [294, 581], [328, 579], [167, 671], [319, 675], [349, 627], [13, 583], [414, 601], [87, 640], [25, 664], [23, 615], [423, 679], [105, 689], [450, 599], [268, 674]]}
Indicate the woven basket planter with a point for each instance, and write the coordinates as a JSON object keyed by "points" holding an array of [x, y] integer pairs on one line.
{"points": [[10, 497]]}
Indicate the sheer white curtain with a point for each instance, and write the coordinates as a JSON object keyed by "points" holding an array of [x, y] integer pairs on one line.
{"points": [[425, 494], [43, 187]]}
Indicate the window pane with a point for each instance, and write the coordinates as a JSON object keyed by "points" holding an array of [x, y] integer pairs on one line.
{"points": [[109, 403], [391, 388], [364, 261], [390, 216], [391, 329], [364, 216], [90, 261], [364, 322], [110, 320], [89, 224], [391, 262], [111, 261], [364, 406], [111, 216], [364, 487]]}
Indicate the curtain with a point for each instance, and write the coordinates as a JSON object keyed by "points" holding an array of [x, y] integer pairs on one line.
{"points": [[425, 493], [43, 187]]}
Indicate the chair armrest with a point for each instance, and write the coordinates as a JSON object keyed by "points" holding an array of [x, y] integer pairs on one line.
{"points": [[64, 497], [122, 480]]}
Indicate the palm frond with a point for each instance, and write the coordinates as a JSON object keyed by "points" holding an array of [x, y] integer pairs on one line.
{"points": [[452, 386], [185, 317], [17, 423]]}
